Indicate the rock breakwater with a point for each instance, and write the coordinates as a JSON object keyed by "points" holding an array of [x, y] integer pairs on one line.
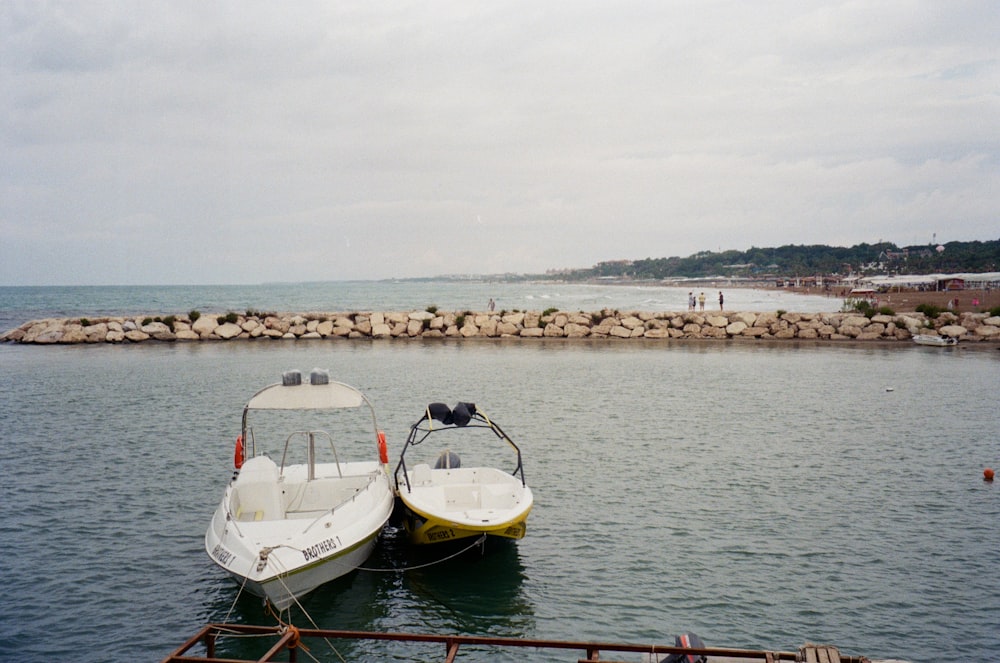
{"points": [[430, 324]]}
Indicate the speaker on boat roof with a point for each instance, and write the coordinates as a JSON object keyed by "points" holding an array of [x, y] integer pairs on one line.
{"points": [[441, 412], [447, 460], [462, 413], [319, 376], [291, 378]]}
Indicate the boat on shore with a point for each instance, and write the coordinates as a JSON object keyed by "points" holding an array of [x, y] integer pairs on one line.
{"points": [[454, 499], [283, 529], [935, 341]]}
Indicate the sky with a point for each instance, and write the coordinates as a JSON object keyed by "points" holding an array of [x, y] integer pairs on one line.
{"points": [[192, 142]]}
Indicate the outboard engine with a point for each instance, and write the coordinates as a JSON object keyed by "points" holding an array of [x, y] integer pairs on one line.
{"points": [[447, 460]]}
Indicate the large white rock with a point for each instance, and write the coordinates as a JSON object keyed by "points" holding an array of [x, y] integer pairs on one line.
{"points": [[73, 333], [228, 330], [154, 328], [275, 323], [414, 327], [953, 331], [553, 330], [766, 319], [507, 329], [855, 321], [736, 328], [204, 325]]}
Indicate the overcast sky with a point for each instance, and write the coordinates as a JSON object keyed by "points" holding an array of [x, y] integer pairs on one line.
{"points": [[243, 142]]}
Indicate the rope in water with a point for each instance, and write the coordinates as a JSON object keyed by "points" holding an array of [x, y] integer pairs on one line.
{"points": [[295, 641]]}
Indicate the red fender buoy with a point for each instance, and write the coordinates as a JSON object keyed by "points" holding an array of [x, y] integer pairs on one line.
{"points": [[238, 456], [383, 449]]}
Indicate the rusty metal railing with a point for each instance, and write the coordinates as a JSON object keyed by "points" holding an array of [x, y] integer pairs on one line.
{"points": [[290, 639]]}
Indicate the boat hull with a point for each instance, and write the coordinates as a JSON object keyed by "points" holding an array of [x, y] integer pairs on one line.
{"points": [[935, 341], [284, 589], [424, 529], [442, 505], [283, 559]]}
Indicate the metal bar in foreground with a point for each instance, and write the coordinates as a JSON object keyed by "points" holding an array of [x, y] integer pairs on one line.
{"points": [[289, 639]]}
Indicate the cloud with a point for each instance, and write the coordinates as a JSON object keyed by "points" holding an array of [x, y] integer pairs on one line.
{"points": [[183, 142]]}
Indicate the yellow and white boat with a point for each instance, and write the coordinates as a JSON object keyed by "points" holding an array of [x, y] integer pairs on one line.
{"points": [[454, 500]]}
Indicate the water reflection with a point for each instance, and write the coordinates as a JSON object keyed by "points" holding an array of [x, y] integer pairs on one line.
{"points": [[400, 588], [476, 592]]}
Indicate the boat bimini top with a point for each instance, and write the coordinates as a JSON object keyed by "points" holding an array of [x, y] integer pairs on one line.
{"points": [[292, 393]]}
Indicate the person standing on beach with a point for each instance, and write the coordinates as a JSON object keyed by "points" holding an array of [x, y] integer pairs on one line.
{"points": [[492, 305], [720, 300], [701, 301], [690, 301]]}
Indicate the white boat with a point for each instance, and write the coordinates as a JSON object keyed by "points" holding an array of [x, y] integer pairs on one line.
{"points": [[938, 341], [284, 529], [453, 500]]}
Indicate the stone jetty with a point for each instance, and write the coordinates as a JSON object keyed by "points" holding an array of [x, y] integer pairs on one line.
{"points": [[430, 324]]}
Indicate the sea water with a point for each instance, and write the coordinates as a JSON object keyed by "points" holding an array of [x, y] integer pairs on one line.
{"points": [[760, 495]]}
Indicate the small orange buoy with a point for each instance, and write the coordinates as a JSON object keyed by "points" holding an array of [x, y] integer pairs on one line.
{"points": [[988, 474]]}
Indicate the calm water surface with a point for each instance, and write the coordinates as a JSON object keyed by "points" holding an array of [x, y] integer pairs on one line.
{"points": [[759, 495]]}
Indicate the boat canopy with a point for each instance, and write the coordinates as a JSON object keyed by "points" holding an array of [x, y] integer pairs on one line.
{"points": [[316, 394]]}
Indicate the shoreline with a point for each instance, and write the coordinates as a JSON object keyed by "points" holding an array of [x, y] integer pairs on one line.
{"points": [[610, 325], [908, 300]]}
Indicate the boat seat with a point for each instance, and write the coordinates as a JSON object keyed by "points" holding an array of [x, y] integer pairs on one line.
{"points": [[258, 501], [462, 496], [421, 475], [247, 516], [256, 493], [498, 497], [318, 496]]}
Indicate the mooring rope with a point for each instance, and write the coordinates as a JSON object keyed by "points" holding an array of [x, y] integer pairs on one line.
{"points": [[282, 571], [246, 576], [403, 569], [304, 612]]}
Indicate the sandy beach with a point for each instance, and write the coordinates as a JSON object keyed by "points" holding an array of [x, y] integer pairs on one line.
{"points": [[908, 300]]}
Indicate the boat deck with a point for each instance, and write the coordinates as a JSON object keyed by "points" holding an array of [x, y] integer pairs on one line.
{"points": [[290, 639]]}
